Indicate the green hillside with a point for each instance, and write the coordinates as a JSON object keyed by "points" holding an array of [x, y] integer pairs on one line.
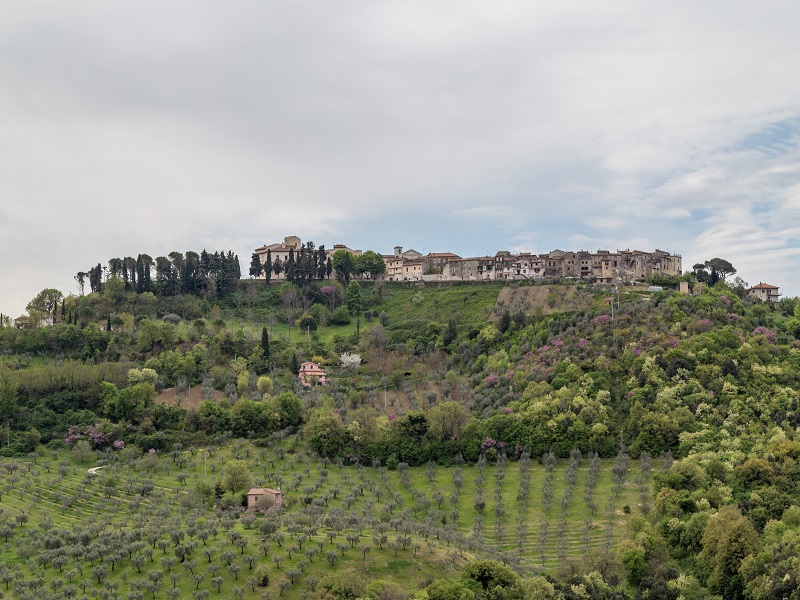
{"points": [[686, 405]]}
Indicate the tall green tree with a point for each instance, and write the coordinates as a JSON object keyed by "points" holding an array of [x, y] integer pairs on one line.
{"points": [[178, 262], [355, 303], [9, 406], [722, 267], [144, 262], [237, 477], [129, 273], [343, 265], [290, 266], [268, 267], [713, 270], [46, 301], [165, 281], [322, 259], [191, 263], [265, 344], [96, 278], [80, 278], [370, 262], [256, 268], [115, 266], [728, 538]]}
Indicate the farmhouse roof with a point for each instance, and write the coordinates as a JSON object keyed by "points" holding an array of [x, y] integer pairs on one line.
{"points": [[764, 286]]}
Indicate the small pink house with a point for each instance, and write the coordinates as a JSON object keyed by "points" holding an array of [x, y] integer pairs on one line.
{"points": [[310, 374], [255, 494]]}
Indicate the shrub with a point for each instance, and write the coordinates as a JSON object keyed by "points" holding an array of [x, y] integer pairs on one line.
{"points": [[340, 316], [262, 575]]}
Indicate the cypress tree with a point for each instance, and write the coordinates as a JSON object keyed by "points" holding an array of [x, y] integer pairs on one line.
{"points": [[265, 344], [268, 267], [290, 267]]}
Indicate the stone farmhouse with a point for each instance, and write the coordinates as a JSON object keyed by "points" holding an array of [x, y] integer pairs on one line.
{"points": [[255, 494]]}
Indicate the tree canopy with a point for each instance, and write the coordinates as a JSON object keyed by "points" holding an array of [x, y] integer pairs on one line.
{"points": [[713, 270]]}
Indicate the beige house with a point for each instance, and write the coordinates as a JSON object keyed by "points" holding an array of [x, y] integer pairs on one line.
{"points": [[413, 269], [256, 494], [765, 292], [396, 265], [344, 247], [279, 252], [394, 268], [30, 322]]}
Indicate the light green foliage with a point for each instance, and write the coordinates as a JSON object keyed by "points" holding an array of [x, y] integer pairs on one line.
{"points": [[355, 303], [488, 334], [326, 434], [142, 376], [237, 477], [370, 262], [538, 588], [344, 584], [243, 383], [448, 590], [82, 451], [447, 420], [265, 385], [727, 540], [46, 301]]}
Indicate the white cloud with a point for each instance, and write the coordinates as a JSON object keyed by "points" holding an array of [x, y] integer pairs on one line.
{"points": [[195, 124]]}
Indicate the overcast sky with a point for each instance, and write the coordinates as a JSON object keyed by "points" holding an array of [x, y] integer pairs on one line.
{"points": [[470, 127]]}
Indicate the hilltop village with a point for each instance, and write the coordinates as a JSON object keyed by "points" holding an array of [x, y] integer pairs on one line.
{"points": [[602, 266]]}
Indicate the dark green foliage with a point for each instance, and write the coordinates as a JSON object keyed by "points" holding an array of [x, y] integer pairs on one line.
{"points": [[265, 344], [256, 267], [490, 574]]}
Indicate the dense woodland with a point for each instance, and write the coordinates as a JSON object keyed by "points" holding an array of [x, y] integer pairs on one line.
{"points": [[705, 385]]}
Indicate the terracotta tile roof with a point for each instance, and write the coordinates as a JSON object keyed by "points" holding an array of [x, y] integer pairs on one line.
{"points": [[764, 286]]}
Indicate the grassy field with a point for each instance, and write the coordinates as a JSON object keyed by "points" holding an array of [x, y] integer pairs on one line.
{"points": [[124, 528]]}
